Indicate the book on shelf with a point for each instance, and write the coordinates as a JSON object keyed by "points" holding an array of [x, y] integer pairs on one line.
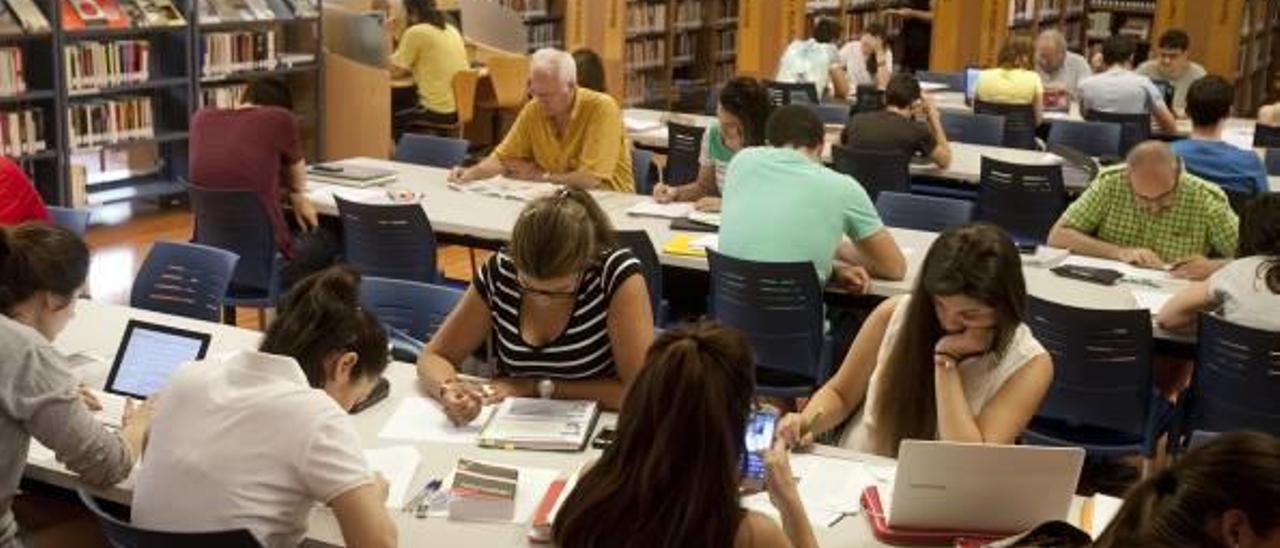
{"points": [[12, 80], [9, 24], [233, 10], [228, 96], [116, 17], [80, 14], [96, 65], [260, 10], [22, 132], [29, 16], [279, 9], [109, 121], [304, 8], [1136, 27], [153, 13], [540, 424], [483, 492], [226, 53], [644, 17]]}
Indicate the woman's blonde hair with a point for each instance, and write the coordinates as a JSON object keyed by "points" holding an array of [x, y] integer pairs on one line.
{"points": [[560, 235], [1018, 52]]}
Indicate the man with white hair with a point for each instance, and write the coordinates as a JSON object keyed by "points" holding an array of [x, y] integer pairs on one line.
{"points": [[1060, 69], [566, 135], [1151, 213]]}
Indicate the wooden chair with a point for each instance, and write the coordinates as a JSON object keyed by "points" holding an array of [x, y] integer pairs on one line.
{"points": [[465, 83]]}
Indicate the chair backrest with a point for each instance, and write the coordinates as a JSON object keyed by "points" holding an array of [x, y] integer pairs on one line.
{"points": [[1019, 122], [1025, 200], [1101, 365], [510, 77], [1273, 161], [976, 129], [1134, 128], [1236, 380], [75, 220], [785, 93], [389, 240], [833, 113], [685, 145], [465, 83], [1265, 136], [953, 80], [431, 150], [414, 308], [1097, 139], [642, 247], [236, 221], [641, 168], [120, 534], [868, 99], [188, 280], [777, 306], [929, 213], [876, 170]]}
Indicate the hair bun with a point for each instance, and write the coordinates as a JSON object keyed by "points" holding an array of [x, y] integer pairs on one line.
{"points": [[340, 283]]}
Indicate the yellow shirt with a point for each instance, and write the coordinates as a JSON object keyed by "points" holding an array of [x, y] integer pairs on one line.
{"points": [[434, 56], [1009, 86], [594, 142]]}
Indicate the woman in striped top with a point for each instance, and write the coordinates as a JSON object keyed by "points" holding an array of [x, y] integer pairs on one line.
{"points": [[567, 310]]}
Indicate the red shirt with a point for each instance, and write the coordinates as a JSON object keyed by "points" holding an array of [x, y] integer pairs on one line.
{"points": [[247, 149], [19, 201]]}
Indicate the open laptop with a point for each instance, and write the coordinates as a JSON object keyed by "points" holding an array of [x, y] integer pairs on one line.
{"points": [[148, 355], [976, 487]]}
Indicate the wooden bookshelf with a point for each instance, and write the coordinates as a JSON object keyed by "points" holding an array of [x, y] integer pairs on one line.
{"points": [[40, 83], [543, 21], [1236, 39]]}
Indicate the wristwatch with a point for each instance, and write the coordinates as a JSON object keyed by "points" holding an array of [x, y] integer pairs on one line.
{"points": [[546, 389]]}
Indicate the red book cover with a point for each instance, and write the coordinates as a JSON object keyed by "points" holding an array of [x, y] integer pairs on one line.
{"points": [[540, 529], [115, 16], [70, 19]]}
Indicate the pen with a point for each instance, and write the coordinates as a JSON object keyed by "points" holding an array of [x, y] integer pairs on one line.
{"points": [[433, 489], [813, 422], [421, 495]]}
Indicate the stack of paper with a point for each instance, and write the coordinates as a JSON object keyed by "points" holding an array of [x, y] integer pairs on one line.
{"points": [[538, 424], [398, 466], [830, 488], [507, 189], [674, 210], [423, 420], [483, 492], [531, 488]]}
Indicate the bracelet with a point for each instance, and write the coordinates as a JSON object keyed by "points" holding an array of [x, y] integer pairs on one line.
{"points": [[948, 361]]}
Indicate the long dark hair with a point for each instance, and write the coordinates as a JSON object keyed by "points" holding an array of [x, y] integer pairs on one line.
{"points": [[978, 261], [1260, 235], [321, 316], [35, 257], [671, 478], [1236, 471], [560, 234], [590, 69], [748, 100], [425, 11], [873, 62]]}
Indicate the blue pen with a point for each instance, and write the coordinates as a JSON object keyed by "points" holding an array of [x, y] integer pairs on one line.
{"points": [[419, 497], [424, 505]]}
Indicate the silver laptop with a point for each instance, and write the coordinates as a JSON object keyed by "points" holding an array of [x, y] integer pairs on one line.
{"points": [[974, 487]]}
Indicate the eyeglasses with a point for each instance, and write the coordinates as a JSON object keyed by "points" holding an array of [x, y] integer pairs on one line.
{"points": [[550, 293]]}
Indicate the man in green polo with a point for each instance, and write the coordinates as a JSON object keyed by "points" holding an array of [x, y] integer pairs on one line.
{"points": [[1151, 213]]}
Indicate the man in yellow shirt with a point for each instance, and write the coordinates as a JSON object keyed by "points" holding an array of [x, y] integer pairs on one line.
{"points": [[566, 135]]}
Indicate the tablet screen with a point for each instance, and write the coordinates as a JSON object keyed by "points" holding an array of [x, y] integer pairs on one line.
{"points": [[148, 356]]}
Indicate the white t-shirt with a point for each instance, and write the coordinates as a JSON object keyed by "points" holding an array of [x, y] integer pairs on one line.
{"points": [[241, 441], [855, 64], [1241, 293], [808, 61], [982, 379]]}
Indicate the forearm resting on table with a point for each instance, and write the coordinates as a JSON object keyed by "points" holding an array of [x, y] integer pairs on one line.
{"points": [[577, 179], [1075, 241], [878, 253]]}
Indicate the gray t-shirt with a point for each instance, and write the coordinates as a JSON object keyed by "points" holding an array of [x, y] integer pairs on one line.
{"points": [[1119, 91], [1240, 290], [1151, 69], [38, 398], [1068, 76]]}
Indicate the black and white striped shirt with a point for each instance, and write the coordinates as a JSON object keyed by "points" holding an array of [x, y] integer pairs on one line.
{"points": [[582, 350]]}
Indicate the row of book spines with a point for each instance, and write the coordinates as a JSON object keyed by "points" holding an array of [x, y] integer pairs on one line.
{"points": [[222, 96], [22, 132], [12, 81], [109, 121], [92, 65], [80, 14], [226, 53]]}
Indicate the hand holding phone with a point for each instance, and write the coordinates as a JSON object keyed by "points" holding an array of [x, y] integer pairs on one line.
{"points": [[759, 438]]}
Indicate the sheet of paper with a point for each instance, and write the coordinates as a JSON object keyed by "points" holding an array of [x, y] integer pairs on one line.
{"points": [[1151, 300], [531, 486], [834, 484], [422, 419], [1105, 509], [674, 210], [818, 518], [398, 465], [710, 241], [705, 217], [636, 124]]}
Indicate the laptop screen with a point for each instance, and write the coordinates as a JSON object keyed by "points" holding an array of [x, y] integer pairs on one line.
{"points": [[971, 83], [148, 356]]}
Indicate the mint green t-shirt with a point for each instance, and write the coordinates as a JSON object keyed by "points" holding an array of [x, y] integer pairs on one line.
{"points": [[781, 206]]}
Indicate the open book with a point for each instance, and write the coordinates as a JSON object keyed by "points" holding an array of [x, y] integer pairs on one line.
{"points": [[544, 425]]}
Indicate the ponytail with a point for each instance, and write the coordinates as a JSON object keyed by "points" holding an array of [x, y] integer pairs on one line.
{"points": [[36, 257], [561, 234], [321, 316]]}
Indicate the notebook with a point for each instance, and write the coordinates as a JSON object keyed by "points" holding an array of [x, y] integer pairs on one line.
{"points": [[690, 245], [541, 425], [349, 175], [483, 492]]}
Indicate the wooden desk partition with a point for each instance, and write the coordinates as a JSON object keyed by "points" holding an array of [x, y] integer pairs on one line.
{"points": [[600, 25], [967, 32], [357, 106], [765, 28]]}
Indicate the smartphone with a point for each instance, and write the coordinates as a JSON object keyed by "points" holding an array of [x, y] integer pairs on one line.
{"points": [[605, 438], [759, 437], [380, 392]]}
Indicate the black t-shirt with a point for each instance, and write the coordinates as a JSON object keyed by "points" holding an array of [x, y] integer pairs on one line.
{"points": [[917, 36], [885, 130]]}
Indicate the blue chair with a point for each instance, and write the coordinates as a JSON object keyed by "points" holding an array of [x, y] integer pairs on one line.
{"points": [[1097, 139], [953, 80], [778, 307], [430, 150], [928, 213], [833, 113], [389, 240], [1101, 398], [1273, 161], [1025, 200], [976, 129], [639, 243], [641, 165], [1134, 128], [236, 221], [786, 93], [1019, 122], [75, 220], [1265, 136], [122, 535], [188, 280], [876, 170], [1235, 384], [411, 311], [683, 150]]}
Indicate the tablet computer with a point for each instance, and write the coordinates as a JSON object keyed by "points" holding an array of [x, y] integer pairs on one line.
{"points": [[149, 354]]}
